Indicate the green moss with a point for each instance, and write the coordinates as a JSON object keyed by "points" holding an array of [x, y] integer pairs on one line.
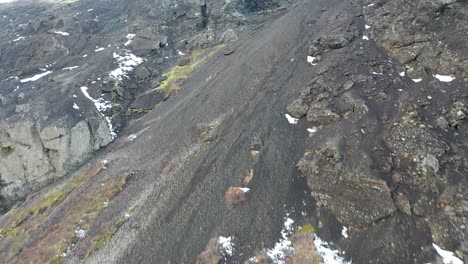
{"points": [[7, 147], [306, 229], [50, 200], [19, 242], [133, 111]]}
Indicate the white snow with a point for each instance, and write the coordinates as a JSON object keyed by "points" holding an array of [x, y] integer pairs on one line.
{"points": [[282, 248], [416, 80], [329, 255], [180, 53], [99, 49], [365, 37], [344, 232], [80, 233], [447, 256], [246, 190], [226, 244], [127, 62], [312, 130], [130, 38], [367, 26], [101, 105], [402, 74], [35, 77], [61, 33], [291, 120], [371, 4], [75, 106], [311, 60], [70, 68], [86, 55], [18, 39], [89, 10], [377, 73], [444, 78], [132, 137]]}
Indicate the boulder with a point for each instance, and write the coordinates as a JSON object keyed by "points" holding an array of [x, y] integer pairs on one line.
{"points": [[297, 108]]}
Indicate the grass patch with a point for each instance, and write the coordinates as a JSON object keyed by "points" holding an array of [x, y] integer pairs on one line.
{"points": [[105, 236], [20, 224], [206, 131], [178, 74], [7, 147]]}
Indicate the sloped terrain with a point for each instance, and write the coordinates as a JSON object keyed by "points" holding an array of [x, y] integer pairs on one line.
{"points": [[307, 137]]}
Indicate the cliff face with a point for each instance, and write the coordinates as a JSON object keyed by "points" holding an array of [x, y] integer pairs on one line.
{"points": [[235, 131]]}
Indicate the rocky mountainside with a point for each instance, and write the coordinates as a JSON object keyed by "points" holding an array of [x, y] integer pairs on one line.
{"points": [[242, 131]]}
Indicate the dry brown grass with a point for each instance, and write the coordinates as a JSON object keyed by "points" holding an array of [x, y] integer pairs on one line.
{"points": [[166, 169], [248, 177], [235, 196], [211, 254]]}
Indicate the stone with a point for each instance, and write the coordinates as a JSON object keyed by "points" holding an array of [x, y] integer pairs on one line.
{"points": [[297, 108], [184, 60], [142, 74], [430, 162], [403, 204]]}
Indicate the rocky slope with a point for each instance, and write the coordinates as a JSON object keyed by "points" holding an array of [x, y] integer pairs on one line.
{"points": [[245, 131]]}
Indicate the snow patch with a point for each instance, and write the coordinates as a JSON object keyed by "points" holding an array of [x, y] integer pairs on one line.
{"points": [[282, 248], [75, 106], [80, 233], [70, 68], [344, 232], [132, 137], [99, 49], [329, 255], [245, 190], [130, 38], [444, 78], [61, 33], [291, 120], [447, 256], [402, 74], [227, 245], [417, 80], [101, 106], [180, 53], [365, 37], [36, 77], [18, 39], [367, 26], [311, 60], [312, 130], [377, 73], [127, 62]]}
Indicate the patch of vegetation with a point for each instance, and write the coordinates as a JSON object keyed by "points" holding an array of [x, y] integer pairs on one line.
{"points": [[206, 131], [306, 229], [29, 219], [50, 200], [7, 147], [133, 111], [176, 75], [105, 236]]}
